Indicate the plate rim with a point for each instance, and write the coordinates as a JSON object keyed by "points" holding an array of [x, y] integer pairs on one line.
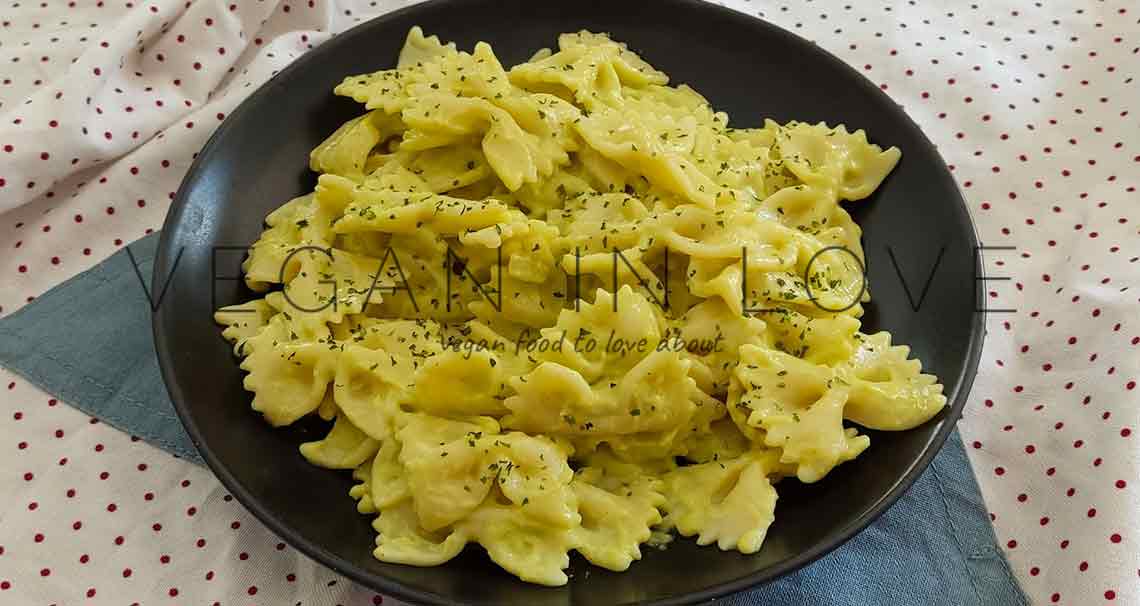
{"points": [[378, 582]]}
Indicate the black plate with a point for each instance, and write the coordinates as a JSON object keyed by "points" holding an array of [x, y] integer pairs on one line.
{"points": [[258, 159]]}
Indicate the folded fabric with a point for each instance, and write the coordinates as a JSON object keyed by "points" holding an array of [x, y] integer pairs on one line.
{"points": [[89, 342]]}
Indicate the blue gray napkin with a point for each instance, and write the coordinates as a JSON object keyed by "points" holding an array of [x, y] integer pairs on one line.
{"points": [[88, 341]]}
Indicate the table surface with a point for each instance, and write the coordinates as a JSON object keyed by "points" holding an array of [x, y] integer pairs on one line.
{"points": [[1035, 107]]}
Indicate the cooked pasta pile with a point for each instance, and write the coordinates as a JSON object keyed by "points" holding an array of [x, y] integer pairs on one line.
{"points": [[564, 306]]}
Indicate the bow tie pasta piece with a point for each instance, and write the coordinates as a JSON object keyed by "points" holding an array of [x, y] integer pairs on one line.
{"points": [[314, 221], [421, 433], [731, 503], [382, 89], [439, 170], [835, 282], [725, 233], [468, 382], [533, 473], [517, 155], [243, 321], [635, 144], [619, 504], [420, 49], [387, 89], [826, 340], [533, 551], [605, 175], [889, 391], [655, 401], [361, 492], [639, 269], [447, 479], [529, 250], [632, 68], [375, 369], [288, 377], [711, 335], [523, 305], [614, 332], [731, 250], [391, 172], [401, 540], [833, 159], [538, 199], [388, 485], [368, 391], [812, 210], [476, 74], [588, 68], [415, 283], [328, 285], [502, 276], [345, 152], [683, 104], [396, 212], [485, 242], [344, 447], [593, 223], [723, 440], [815, 440], [799, 411], [267, 255], [451, 482]]}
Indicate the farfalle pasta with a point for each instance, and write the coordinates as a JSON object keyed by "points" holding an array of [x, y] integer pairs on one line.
{"points": [[565, 306]]}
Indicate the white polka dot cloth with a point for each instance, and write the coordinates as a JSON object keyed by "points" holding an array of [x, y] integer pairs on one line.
{"points": [[1033, 104]]}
